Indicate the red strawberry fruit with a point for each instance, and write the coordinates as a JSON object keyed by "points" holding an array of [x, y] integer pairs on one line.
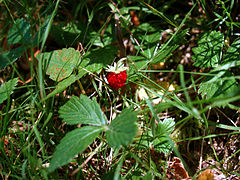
{"points": [[117, 76]]}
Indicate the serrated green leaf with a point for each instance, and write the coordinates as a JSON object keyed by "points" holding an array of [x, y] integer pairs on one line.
{"points": [[150, 44], [233, 53], [165, 127], [220, 87], [209, 50], [122, 129], [11, 56], [60, 63], [19, 32], [73, 143], [82, 111], [163, 130], [7, 88]]}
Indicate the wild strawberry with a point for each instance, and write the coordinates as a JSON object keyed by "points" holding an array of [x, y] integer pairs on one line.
{"points": [[117, 76]]}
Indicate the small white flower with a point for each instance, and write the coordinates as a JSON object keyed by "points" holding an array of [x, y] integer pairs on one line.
{"points": [[117, 67]]}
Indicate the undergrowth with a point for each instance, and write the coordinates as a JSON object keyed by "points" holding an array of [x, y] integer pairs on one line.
{"points": [[176, 117]]}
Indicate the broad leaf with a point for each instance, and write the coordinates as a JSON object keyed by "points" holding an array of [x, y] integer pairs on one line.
{"points": [[82, 111], [11, 56], [73, 143], [220, 87], [60, 63], [122, 129], [163, 130], [7, 88], [19, 32], [233, 53], [209, 50]]}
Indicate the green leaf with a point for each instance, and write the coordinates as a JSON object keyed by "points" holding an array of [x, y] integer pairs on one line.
{"points": [[73, 143], [62, 85], [168, 48], [233, 53], [165, 127], [19, 32], [82, 111], [97, 59], [209, 50], [11, 56], [122, 129], [40, 34], [163, 130], [220, 87], [67, 34], [150, 44], [60, 63], [7, 88]]}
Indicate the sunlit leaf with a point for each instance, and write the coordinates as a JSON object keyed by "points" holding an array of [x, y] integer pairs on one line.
{"points": [[73, 143], [233, 53], [122, 129], [209, 50], [60, 63], [82, 111], [220, 87]]}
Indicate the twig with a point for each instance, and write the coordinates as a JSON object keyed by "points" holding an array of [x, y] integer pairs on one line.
{"points": [[88, 159]]}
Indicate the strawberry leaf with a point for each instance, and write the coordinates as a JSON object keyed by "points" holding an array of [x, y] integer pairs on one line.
{"points": [[163, 130], [7, 88], [218, 87], [60, 63], [209, 50], [233, 53], [82, 111], [73, 143], [122, 129]]}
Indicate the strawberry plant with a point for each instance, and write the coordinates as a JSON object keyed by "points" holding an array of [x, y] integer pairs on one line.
{"points": [[119, 89]]}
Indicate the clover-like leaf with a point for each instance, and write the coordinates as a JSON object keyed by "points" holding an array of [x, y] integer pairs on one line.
{"points": [[60, 63], [122, 129], [73, 143], [209, 50], [163, 130], [7, 88], [82, 111]]}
